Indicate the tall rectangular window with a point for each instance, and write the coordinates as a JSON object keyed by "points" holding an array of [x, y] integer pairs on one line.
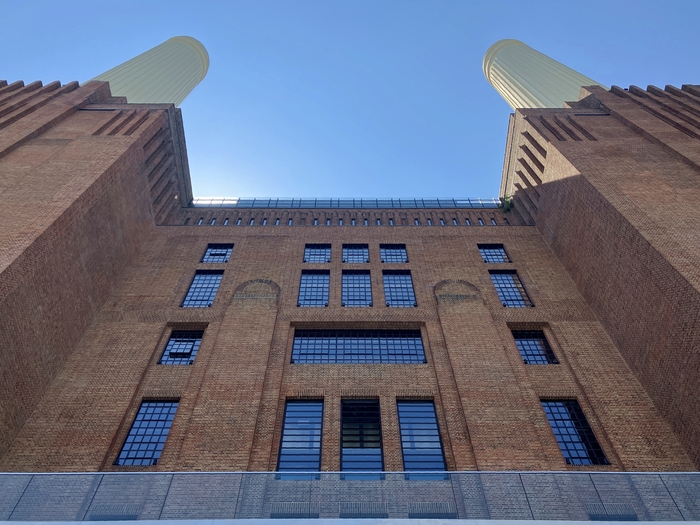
{"points": [[317, 253], [420, 436], [398, 289], [313, 288], [182, 347], [509, 288], [357, 288], [361, 438], [574, 435], [146, 438], [300, 449], [203, 289], [217, 253], [393, 253], [534, 348], [355, 253], [358, 346], [493, 253]]}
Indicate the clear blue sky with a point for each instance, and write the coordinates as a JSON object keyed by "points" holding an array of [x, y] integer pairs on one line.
{"points": [[334, 98]]}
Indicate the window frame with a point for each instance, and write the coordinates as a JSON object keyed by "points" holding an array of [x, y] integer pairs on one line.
{"points": [[227, 247], [133, 434], [589, 441], [353, 289], [517, 285], [303, 286], [388, 288], [212, 295]]}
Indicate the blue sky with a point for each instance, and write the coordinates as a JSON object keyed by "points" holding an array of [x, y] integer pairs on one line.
{"points": [[380, 98]]}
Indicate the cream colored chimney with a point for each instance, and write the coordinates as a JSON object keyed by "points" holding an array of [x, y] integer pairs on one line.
{"points": [[166, 73], [526, 78]]}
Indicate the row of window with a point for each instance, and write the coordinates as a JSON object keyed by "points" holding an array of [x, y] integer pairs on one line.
{"points": [[357, 347], [352, 222], [361, 435], [314, 288], [355, 253]]}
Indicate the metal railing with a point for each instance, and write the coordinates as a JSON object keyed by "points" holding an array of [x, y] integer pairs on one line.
{"points": [[218, 202], [466, 495]]}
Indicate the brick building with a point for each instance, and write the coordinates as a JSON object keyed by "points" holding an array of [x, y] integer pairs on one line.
{"points": [[572, 310]]}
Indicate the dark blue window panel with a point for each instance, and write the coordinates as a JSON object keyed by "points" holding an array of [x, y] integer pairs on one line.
{"points": [[217, 253], [574, 435], [182, 347], [361, 436], [355, 253], [313, 288], [398, 289], [146, 438], [509, 288], [203, 289], [493, 253], [393, 253], [317, 253], [300, 449], [357, 288], [420, 436], [358, 347], [534, 348]]}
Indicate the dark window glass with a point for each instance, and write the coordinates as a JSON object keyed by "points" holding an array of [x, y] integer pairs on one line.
{"points": [[493, 221], [361, 440], [289, 222], [203, 289], [226, 222], [357, 288], [454, 222], [430, 222], [217, 253], [313, 289], [509, 288], [277, 222], [182, 347], [200, 221], [468, 222], [393, 253], [574, 435], [420, 437], [493, 253], [238, 222], [328, 222], [317, 253], [187, 221], [398, 288], [300, 449], [391, 222], [358, 346], [213, 222], [442, 222], [416, 222], [366, 222], [340, 222], [146, 438], [264, 222], [534, 348], [355, 253], [481, 222]]}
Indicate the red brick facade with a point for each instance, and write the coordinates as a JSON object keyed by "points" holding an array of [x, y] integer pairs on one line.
{"points": [[90, 314]]}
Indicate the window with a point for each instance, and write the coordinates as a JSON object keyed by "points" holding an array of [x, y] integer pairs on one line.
{"points": [[252, 221], [416, 222], [509, 288], [469, 223], [217, 253], [379, 222], [481, 222], [442, 222], [301, 436], [313, 289], [289, 222], [493, 222], [398, 288], [454, 222], [366, 222], [391, 222], [213, 222], [226, 221], [352, 222], [328, 222], [187, 221], [361, 439], [357, 288], [317, 253], [420, 437], [430, 222], [355, 253], [182, 347], [358, 347], [534, 348], [200, 221], [393, 253], [277, 222], [574, 435], [493, 253], [203, 289], [264, 221], [340, 222], [238, 222], [146, 438]]}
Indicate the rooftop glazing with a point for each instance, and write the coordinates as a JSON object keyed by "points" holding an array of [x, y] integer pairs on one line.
{"points": [[218, 202]]}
